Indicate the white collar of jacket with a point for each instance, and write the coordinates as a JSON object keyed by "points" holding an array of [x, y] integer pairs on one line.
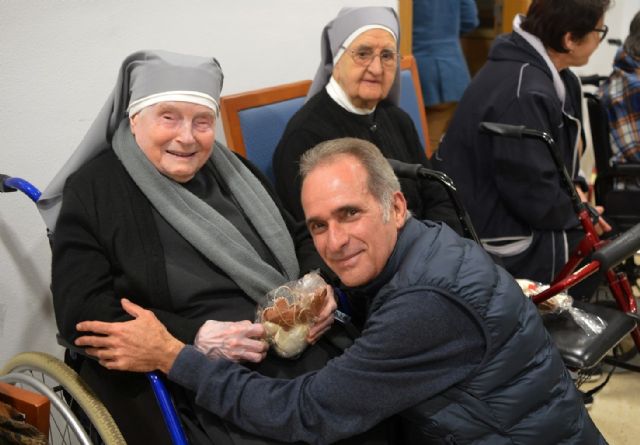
{"points": [[536, 43], [335, 91]]}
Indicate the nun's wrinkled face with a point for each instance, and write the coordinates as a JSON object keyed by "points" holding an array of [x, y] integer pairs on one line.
{"points": [[177, 137], [367, 68]]}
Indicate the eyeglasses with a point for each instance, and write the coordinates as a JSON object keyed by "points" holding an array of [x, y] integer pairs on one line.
{"points": [[365, 57], [604, 30]]}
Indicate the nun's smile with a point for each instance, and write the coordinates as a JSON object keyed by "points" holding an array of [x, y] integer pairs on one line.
{"points": [[176, 137]]}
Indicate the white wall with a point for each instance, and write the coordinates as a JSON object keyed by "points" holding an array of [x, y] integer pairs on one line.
{"points": [[58, 62], [618, 19]]}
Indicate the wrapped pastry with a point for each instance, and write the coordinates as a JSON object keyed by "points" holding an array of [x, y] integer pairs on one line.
{"points": [[591, 324], [290, 312]]}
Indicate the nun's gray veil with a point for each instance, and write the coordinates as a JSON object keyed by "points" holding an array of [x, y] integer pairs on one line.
{"points": [[339, 29], [146, 78], [141, 74]]}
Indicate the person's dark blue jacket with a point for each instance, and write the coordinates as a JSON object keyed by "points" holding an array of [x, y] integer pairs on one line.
{"points": [[450, 343], [511, 187], [437, 26]]}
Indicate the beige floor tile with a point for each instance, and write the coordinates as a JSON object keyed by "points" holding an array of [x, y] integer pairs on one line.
{"points": [[616, 408]]}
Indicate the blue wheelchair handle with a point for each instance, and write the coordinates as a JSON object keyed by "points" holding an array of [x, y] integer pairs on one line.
{"points": [[9, 184]]}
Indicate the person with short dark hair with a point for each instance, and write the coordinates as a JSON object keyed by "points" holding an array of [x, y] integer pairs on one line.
{"points": [[450, 345], [511, 187], [620, 95]]}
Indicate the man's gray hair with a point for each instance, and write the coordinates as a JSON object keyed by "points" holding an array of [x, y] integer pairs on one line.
{"points": [[632, 42], [381, 182]]}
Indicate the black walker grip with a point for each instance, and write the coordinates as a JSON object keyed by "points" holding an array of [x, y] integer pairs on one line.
{"points": [[404, 169], [618, 250]]}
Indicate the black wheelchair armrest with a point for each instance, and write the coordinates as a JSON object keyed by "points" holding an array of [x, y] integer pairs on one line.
{"points": [[626, 170], [74, 351]]}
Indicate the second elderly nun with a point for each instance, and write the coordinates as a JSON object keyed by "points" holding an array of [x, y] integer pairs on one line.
{"points": [[355, 93], [150, 207]]}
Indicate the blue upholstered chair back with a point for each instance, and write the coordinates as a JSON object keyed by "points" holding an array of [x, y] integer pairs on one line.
{"points": [[255, 120], [262, 128], [409, 101]]}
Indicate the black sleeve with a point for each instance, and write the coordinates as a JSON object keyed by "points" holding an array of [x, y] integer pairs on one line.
{"points": [[308, 257], [414, 347], [526, 177], [286, 164], [84, 272], [436, 204]]}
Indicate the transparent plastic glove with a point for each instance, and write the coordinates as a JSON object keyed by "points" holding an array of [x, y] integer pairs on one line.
{"points": [[235, 341]]}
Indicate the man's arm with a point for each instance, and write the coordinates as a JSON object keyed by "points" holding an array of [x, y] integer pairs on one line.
{"points": [[412, 348]]}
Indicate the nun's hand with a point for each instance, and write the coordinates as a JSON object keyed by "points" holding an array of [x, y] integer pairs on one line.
{"points": [[235, 341]]}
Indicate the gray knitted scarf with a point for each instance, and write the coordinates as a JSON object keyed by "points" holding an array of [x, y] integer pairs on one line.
{"points": [[207, 230]]}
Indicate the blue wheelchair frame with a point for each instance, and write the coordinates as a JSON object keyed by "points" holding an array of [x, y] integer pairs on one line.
{"points": [[178, 437]]}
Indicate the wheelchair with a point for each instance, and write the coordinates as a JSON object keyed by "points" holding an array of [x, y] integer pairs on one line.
{"points": [[76, 415], [617, 186], [580, 352]]}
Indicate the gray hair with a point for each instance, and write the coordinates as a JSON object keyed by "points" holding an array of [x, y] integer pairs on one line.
{"points": [[632, 42], [382, 183]]}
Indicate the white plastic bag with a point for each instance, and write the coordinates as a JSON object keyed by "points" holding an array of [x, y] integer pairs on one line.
{"points": [[591, 324], [290, 312]]}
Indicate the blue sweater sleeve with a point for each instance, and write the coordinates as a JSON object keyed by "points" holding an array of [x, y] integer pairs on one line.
{"points": [[413, 347]]}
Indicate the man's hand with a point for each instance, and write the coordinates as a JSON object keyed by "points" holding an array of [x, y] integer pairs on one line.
{"points": [[235, 341], [142, 344], [325, 319]]}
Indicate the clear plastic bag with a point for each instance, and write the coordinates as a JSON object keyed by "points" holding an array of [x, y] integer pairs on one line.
{"points": [[290, 311], [591, 324]]}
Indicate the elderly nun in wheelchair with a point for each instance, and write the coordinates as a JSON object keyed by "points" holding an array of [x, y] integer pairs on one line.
{"points": [[152, 208]]}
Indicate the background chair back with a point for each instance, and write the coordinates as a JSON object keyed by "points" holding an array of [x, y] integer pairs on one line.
{"points": [[255, 120], [411, 99]]}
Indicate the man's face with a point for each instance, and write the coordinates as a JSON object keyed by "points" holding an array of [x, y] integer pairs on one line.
{"points": [[366, 85], [346, 221], [176, 137]]}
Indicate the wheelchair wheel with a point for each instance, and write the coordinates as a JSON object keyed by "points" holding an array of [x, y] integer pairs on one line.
{"points": [[77, 416]]}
